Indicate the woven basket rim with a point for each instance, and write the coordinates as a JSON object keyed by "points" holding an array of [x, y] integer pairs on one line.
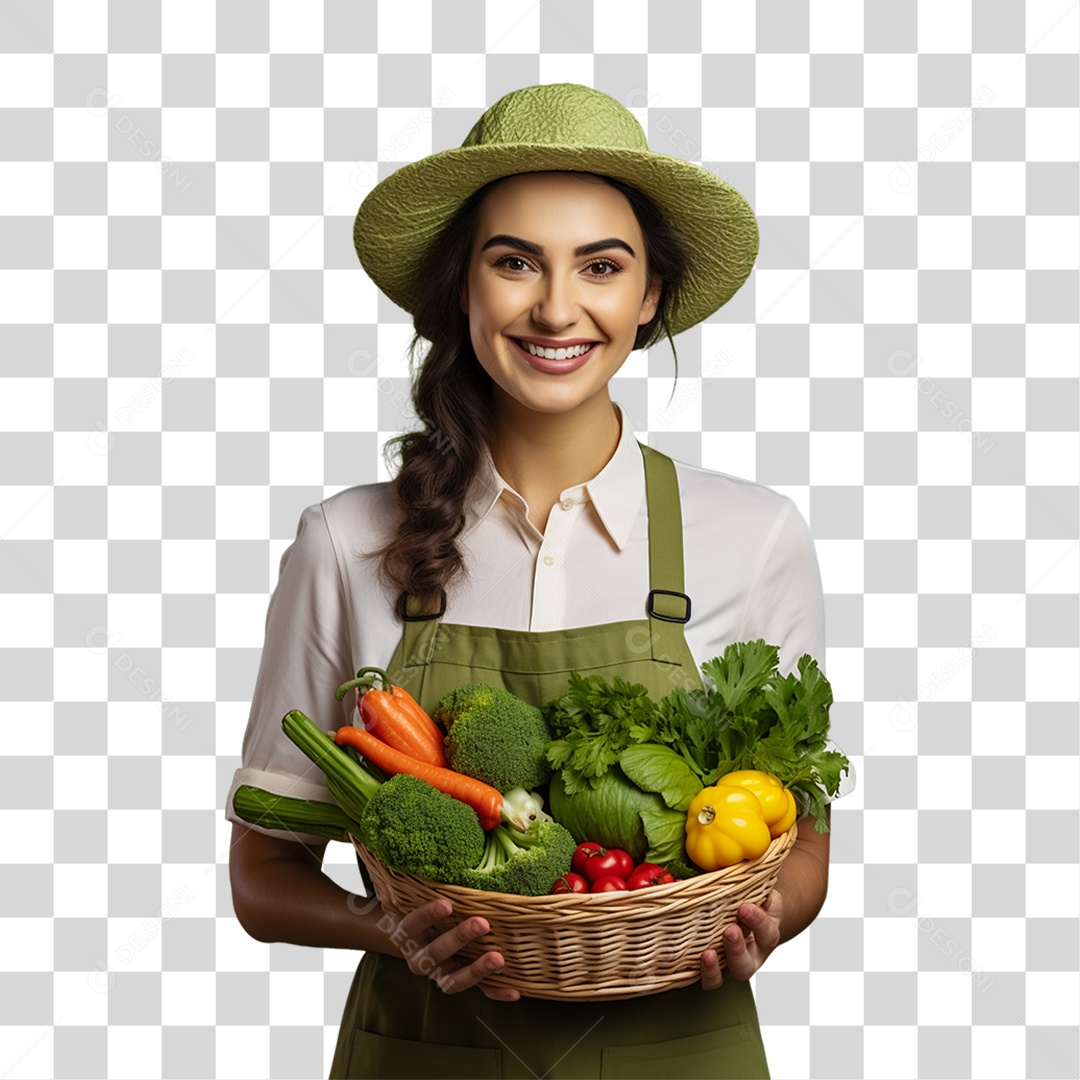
{"points": [[554, 900], [559, 946]]}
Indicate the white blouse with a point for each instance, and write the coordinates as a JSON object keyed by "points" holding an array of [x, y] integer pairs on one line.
{"points": [[750, 570]]}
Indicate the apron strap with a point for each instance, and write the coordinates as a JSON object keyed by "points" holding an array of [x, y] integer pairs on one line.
{"points": [[667, 606], [420, 636]]}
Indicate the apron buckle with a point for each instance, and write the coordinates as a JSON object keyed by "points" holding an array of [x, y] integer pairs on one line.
{"points": [[653, 613], [403, 609]]}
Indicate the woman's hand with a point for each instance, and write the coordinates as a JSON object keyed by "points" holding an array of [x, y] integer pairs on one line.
{"points": [[747, 942], [435, 955]]}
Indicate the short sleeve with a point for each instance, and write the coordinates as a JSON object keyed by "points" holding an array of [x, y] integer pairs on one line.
{"points": [[786, 602], [306, 656]]}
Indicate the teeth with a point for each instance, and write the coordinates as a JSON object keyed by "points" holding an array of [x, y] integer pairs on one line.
{"points": [[555, 354]]}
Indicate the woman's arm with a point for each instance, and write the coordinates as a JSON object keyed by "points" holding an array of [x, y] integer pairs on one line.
{"points": [[281, 894], [787, 911], [804, 878]]}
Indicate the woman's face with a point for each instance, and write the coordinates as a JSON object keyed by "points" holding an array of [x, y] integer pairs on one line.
{"points": [[527, 281]]}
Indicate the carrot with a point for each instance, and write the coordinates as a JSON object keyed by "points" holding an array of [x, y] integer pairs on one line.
{"points": [[483, 798], [392, 715]]}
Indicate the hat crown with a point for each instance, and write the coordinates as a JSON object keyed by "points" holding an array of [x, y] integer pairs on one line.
{"points": [[558, 114]]}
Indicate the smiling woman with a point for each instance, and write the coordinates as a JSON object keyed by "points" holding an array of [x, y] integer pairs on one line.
{"points": [[559, 295], [520, 261], [533, 259], [554, 421]]}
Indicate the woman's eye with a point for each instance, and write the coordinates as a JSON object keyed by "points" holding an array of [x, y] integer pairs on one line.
{"points": [[507, 259], [613, 268]]}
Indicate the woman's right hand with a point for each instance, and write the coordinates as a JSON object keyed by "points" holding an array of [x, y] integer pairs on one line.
{"points": [[435, 955]]}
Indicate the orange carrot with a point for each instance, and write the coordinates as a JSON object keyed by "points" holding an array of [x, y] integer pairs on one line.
{"points": [[390, 717], [483, 798], [394, 716]]}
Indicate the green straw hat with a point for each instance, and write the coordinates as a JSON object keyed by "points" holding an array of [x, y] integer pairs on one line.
{"points": [[558, 126]]}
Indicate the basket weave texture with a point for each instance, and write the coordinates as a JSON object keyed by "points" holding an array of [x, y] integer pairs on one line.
{"points": [[596, 947]]}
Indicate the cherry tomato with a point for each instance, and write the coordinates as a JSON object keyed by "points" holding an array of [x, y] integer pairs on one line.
{"points": [[609, 883], [581, 856], [608, 861], [570, 883], [648, 874]]}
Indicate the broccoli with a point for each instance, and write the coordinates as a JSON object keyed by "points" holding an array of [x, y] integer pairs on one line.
{"points": [[416, 829], [527, 863], [495, 737]]}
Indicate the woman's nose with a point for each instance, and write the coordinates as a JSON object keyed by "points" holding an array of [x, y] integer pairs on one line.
{"points": [[558, 303]]}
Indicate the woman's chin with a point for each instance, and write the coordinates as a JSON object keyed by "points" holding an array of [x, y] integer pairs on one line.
{"points": [[551, 400]]}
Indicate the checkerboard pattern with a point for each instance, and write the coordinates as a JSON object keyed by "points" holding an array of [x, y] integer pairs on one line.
{"points": [[192, 355]]}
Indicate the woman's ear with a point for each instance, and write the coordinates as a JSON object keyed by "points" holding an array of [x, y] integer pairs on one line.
{"points": [[463, 299], [652, 299]]}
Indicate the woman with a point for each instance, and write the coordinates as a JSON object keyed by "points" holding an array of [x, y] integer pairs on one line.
{"points": [[527, 513]]}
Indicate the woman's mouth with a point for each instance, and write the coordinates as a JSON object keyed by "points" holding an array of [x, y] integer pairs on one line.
{"points": [[562, 360]]}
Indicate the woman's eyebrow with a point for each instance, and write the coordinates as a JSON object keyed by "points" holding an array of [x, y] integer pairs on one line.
{"points": [[502, 239]]}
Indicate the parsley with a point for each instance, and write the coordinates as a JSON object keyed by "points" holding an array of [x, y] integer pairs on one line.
{"points": [[776, 723], [594, 721]]}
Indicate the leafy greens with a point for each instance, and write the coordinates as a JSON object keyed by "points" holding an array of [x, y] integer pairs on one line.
{"points": [[746, 716]]}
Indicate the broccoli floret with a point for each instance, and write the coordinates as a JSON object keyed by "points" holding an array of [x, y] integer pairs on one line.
{"points": [[495, 737], [416, 829], [527, 863]]}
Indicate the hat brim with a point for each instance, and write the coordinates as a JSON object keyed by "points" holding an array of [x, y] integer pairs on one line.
{"points": [[403, 214]]}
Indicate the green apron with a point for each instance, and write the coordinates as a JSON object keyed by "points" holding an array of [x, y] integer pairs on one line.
{"points": [[399, 1024]]}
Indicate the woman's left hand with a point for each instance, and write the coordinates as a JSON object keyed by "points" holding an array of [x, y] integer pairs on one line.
{"points": [[747, 942]]}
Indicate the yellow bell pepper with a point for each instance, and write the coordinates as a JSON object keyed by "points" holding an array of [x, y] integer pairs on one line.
{"points": [[724, 825], [777, 803]]}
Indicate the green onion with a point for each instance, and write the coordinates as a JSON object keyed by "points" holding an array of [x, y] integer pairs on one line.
{"points": [[349, 782], [259, 807]]}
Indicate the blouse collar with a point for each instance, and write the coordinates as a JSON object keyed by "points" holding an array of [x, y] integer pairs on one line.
{"points": [[616, 491]]}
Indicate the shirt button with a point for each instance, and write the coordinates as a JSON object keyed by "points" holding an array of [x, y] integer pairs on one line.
{"points": [[549, 560], [566, 503]]}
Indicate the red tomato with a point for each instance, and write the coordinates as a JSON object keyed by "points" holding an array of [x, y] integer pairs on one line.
{"points": [[570, 883], [608, 861], [609, 883], [648, 874], [581, 856]]}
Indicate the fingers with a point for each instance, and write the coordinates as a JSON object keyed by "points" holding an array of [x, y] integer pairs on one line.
{"points": [[501, 993], [452, 980], [773, 904], [763, 922], [741, 963], [750, 940], [436, 957], [711, 975], [421, 922], [442, 947], [473, 974]]}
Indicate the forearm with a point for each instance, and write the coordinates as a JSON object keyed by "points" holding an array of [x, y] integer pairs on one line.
{"points": [[295, 902], [280, 893], [803, 880]]}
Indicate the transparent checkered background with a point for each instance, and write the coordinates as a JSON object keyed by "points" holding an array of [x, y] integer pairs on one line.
{"points": [[193, 355]]}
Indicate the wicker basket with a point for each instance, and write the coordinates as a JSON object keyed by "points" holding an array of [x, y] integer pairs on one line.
{"points": [[596, 947]]}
